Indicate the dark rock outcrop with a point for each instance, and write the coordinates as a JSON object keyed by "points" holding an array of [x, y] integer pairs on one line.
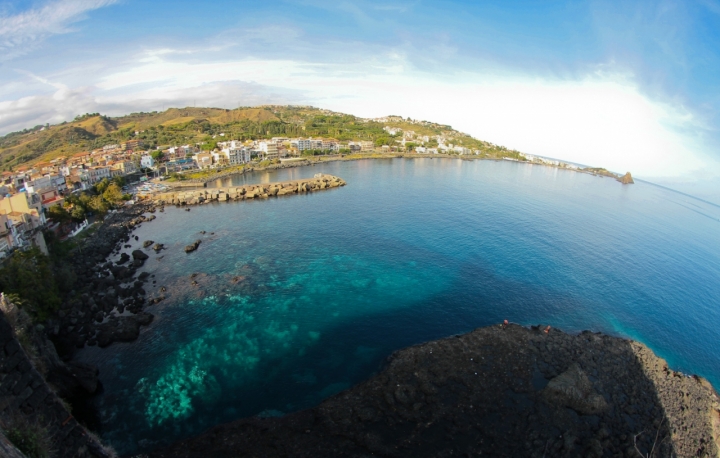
{"points": [[139, 255], [193, 247], [122, 329], [26, 396], [494, 392], [124, 257]]}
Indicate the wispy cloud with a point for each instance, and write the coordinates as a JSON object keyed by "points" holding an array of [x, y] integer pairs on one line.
{"points": [[21, 32]]}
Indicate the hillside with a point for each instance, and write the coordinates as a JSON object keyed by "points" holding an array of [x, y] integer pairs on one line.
{"points": [[192, 125]]}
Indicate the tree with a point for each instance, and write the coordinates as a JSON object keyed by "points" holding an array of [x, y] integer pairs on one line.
{"points": [[59, 214], [30, 275], [157, 155], [99, 206], [209, 146], [102, 185], [113, 194], [78, 214], [380, 141]]}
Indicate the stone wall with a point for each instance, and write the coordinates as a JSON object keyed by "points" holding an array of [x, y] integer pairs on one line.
{"points": [[25, 394], [258, 191]]}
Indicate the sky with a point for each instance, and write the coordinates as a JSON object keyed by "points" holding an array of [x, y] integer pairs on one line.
{"points": [[627, 85]]}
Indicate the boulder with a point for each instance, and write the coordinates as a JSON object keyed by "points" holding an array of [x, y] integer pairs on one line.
{"points": [[124, 257], [193, 247], [137, 254], [147, 243], [573, 389]]}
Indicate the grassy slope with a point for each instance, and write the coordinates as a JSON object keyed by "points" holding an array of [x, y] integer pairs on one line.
{"points": [[195, 125]]}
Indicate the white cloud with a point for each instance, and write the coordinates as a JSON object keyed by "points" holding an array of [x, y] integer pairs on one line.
{"points": [[20, 32], [603, 119]]}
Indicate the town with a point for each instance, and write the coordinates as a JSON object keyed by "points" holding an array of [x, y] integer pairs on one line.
{"points": [[51, 195]]}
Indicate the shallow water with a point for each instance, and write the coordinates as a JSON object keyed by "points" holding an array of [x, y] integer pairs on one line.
{"points": [[410, 250]]}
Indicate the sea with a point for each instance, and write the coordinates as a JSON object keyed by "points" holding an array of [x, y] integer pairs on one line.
{"points": [[290, 300]]}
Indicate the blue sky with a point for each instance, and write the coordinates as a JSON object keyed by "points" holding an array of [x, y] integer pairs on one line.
{"points": [[631, 85]]}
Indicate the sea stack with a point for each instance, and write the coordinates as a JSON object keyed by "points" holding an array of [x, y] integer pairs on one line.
{"points": [[626, 179]]}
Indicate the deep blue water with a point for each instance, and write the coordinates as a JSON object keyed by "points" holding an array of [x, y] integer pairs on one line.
{"points": [[409, 250]]}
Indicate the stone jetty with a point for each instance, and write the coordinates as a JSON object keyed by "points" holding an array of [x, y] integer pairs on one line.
{"points": [[258, 191]]}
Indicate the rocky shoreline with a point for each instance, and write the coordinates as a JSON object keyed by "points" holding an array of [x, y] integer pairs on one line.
{"points": [[108, 301], [497, 391], [104, 290]]}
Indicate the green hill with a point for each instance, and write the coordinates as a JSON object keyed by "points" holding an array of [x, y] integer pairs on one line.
{"points": [[177, 126]]}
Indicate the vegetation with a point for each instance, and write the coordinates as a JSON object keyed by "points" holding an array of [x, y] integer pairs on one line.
{"points": [[105, 195], [32, 439], [205, 127], [37, 282]]}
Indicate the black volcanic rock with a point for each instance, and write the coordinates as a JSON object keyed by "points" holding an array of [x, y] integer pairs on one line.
{"points": [[139, 255], [193, 247], [511, 392]]}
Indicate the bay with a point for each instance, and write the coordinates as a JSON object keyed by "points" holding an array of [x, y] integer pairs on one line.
{"points": [[300, 297]]}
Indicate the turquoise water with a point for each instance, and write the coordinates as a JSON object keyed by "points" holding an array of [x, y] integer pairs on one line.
{"points": [[410, 250]]}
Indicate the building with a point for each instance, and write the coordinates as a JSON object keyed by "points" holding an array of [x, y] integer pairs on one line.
{"points": [[147, 162], [203, 160], [8, 235], [97, 174], [269, 150], [367, 145], [50, 197], [24, 203], [236, 155], [178, 165], [79, 158], [132, 145], [124, 167], [330, 145], [24, 212], [36, 183]]}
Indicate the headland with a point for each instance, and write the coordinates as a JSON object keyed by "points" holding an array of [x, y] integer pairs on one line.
{"points": [[502, 390]]}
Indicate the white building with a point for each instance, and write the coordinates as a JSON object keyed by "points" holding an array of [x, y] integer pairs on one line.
{"points": [[269, 150], [147, 162]]}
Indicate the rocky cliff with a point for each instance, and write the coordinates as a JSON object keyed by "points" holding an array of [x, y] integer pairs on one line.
{"points": [[496, 391], [30, 406]]}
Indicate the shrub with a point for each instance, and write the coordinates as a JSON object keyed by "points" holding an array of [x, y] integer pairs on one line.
{"points": [[31, 438]]}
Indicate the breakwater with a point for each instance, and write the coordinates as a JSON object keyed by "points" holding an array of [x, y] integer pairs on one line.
{"points": [[260, 191]]}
